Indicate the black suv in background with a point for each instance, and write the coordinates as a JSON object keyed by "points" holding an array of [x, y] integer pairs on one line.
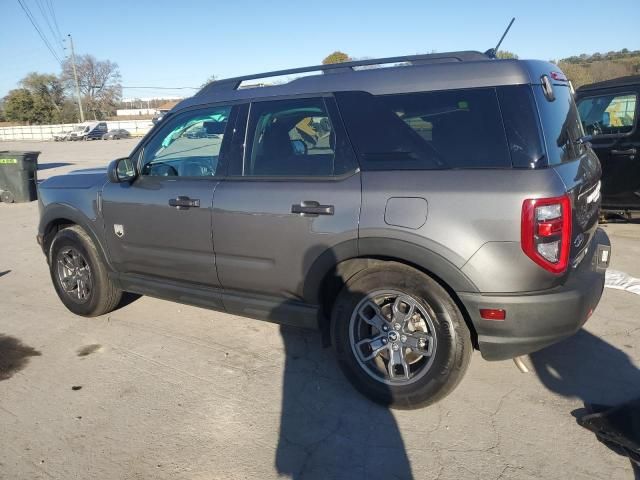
{"points": [[609, 113]]}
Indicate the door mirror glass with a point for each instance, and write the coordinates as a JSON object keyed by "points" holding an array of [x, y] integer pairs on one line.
{"points": [[121, 170]]}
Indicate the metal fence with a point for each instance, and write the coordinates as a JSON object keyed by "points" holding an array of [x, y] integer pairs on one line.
{"points": [[45, 132]]}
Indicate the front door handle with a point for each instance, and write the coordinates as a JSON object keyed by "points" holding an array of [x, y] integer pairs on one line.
{"points": [[630, 151], [311, 208], [183, 203]]}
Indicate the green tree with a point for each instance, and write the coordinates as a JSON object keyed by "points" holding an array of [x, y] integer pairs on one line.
{"points": [[18, 106], [506, 54], [47, 92], [336, 57]]}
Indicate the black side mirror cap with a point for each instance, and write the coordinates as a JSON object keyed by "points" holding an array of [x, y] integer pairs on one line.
{"points": [[121, 170]]}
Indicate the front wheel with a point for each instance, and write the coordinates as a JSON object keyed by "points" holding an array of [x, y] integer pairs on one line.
{"points": [[399, 337], [79, 274]]}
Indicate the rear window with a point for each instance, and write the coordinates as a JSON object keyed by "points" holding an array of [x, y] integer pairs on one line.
{"points": [[429, 130], [560, 123]]}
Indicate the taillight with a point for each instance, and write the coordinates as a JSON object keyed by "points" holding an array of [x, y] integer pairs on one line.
{"points": [[546, 232]]}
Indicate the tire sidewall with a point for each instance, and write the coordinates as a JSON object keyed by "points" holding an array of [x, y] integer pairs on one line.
{"points": [[70, 238], [452, 336]]}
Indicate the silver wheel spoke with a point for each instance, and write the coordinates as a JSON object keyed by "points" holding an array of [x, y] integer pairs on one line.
{"points": [[420, 342], [370, 313], [396, 358], [375, 344], [398, 315]]}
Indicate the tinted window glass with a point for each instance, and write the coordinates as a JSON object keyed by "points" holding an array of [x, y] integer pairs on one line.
{"points": [[521, 125], [187, 145], [434, 130], [608, 114], [290, 138], [560, 123]]}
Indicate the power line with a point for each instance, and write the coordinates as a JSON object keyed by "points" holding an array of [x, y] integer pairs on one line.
{"points": [[34, 23], [45, 15], [53, 15]]}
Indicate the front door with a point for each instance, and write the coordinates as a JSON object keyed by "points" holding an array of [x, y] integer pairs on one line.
{"points": [[294, 195], [612, 121], [160, 224]]}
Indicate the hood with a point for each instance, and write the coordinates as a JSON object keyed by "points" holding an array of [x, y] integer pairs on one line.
{"points": [[87, 178]]}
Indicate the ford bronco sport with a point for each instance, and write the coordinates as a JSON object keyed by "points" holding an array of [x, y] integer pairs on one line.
{"points": [[412, 213]]}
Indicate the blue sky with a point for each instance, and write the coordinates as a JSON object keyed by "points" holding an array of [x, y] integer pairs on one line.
{"points": [[182, 43]]}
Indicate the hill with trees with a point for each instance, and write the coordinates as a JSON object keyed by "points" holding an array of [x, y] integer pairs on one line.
{"points": [[584, 69]]}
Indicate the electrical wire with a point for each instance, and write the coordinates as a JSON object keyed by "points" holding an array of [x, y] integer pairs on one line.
{"points": [[29, 15], [45, 15], [53, 15]]}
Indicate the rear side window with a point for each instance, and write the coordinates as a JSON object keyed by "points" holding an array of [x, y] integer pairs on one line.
{"points": [[428, 130], [560, 123], [526, 145], [612, 114], [294, 138]]}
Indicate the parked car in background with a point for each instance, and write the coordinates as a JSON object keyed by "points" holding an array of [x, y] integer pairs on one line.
{"points": [[89, 131], [116, 134], [62, 137], [609, 112], [411, 213]]}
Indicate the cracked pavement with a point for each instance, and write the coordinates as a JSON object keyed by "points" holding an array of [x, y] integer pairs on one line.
{"points": [[172, 391]]}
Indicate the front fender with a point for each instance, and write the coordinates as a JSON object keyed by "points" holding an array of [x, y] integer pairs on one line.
{"points": [[61, 213]]}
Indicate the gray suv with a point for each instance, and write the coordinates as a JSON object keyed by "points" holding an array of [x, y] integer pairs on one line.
{"points": [[412, 213]]}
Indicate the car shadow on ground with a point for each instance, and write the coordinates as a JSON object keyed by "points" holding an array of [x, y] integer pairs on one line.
{"points": [[590, 369], [327, 429], [47, 166], [14, 356]]}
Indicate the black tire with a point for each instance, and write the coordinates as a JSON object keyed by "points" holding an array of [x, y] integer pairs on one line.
{"points": [[440, 373], [103, 296]]}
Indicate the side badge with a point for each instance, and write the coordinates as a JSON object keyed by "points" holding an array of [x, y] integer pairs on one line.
{"points": [[119, 230]]}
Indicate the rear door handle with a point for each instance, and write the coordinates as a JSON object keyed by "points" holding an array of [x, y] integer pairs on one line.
{"points": [[630, 151], [311, 208], [183, 203]]}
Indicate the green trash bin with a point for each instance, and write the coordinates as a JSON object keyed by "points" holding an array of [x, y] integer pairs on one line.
{"points": [[18, 176]]}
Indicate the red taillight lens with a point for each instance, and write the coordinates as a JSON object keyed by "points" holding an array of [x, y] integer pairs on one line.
{"points": [[546, 232]]}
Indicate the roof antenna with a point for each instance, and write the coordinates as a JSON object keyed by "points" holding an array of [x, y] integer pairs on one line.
{"points": [[493, 52]]}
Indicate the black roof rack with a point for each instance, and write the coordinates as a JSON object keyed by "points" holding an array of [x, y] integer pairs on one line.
{"points": [[234, 83]]}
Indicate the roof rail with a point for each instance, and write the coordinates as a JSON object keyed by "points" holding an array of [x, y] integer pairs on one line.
{"points": [[234, 83]]}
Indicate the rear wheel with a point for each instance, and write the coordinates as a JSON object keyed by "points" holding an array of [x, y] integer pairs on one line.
{"points": [[79, 275], [399, 337]]}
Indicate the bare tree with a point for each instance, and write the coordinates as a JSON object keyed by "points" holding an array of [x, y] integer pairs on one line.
{"points": [[99, 84]]}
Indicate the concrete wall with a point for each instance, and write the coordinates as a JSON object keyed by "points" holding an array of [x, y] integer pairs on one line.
{"points": [[45, 132]]}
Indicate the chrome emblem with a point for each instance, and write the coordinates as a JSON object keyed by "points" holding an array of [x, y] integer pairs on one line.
{"points": [[119, 230], [579, 239]]}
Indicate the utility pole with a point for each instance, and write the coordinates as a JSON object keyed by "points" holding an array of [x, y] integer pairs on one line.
{"points": [[75, 77]]}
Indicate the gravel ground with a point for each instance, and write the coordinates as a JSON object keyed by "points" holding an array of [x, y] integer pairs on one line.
{"points": [[162, 390]]}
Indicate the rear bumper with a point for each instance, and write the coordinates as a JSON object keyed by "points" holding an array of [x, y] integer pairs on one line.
{"points": [[535, 320]]}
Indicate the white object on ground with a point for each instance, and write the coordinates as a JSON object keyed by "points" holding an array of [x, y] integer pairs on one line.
{"points": [[622, 281]]}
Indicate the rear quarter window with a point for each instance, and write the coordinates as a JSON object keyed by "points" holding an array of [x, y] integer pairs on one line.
{"points": [[427, 130], [560, 123]]}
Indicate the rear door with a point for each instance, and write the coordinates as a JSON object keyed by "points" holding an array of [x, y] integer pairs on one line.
{"points": [[160, 224], [291, 195], [572, 159], [611, 118]]}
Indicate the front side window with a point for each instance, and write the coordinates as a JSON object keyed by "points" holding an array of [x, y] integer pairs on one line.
{"points": [[426, 131], [188, 145], [560, 123], [612, 114], [291, 138]]}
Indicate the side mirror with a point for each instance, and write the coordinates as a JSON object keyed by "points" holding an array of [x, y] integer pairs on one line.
{"points": [[121, 170]]}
